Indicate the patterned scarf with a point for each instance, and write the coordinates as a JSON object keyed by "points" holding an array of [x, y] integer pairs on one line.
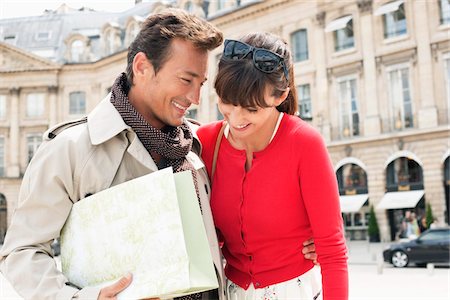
{"points": [[171, 143]]}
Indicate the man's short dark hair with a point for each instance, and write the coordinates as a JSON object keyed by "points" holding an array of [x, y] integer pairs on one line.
{"points": [[157, 32]]}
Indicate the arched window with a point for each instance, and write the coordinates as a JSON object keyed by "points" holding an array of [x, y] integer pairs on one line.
{"points": [[404, 174], [76, 51], [352, 179], [132, 32], [110, 42]]}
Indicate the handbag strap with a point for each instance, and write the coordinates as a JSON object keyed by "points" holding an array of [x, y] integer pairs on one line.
{"points": [[216, 150]]}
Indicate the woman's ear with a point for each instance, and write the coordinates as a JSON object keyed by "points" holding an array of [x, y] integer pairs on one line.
{"points": [[282, 97]]}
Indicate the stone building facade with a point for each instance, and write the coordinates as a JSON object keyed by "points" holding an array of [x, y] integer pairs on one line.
{"points": [[372, 76]]}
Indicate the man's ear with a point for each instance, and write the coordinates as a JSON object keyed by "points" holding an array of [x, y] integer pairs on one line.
{"points": [[283, 97], [142, 66]]}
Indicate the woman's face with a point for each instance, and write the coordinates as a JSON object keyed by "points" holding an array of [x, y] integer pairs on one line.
{"points": [[244, 122]]}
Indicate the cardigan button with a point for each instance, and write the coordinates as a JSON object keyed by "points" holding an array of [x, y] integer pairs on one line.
{"points": [[257, 284]]}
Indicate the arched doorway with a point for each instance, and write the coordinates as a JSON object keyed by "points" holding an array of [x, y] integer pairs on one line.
{"points": [[447, 189], [404, 194], [353, 194], [3, 216]]}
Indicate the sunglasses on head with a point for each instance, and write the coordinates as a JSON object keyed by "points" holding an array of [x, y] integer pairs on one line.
{"points": [[264, 60]]}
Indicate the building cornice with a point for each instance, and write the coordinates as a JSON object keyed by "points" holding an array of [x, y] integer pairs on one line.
{"points": [[443, 130], [245, 11], [119, 57]]}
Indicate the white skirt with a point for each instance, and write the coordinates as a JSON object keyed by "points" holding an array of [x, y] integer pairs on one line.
{"points": [[307, 286]]}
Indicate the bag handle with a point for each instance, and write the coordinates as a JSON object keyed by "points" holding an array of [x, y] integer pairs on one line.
{"points": [[216, 150]]}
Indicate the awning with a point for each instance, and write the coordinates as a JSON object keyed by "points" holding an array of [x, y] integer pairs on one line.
{"points": [[395, 200], [352, 203], [388, 7], [338, 24]]}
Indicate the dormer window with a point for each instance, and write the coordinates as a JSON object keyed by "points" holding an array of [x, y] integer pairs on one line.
{"points": [[76, 51], [111, 38], [132, 31], [189, 7], [109, 42]]}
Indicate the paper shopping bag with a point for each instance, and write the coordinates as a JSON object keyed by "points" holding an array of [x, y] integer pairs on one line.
{"points": [[140, 226]]}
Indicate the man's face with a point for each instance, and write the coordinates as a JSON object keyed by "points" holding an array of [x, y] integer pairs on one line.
{"points": [[165, 96]]}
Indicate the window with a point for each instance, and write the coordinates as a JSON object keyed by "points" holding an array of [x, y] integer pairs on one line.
{"points": [[444, 7], [221, 4], [76, 51], [33, 142], [2, 107], [447, 75], [304, 102], [342, 29], [299, 42], [2, 156], [400, 98], [189, 7], [110, 42], [394, 18], [343, 38], [404, 171], [77, 105], [132, 32], [352, 177], [42, 36], [348, 108], [438, 235], [35, 104]]}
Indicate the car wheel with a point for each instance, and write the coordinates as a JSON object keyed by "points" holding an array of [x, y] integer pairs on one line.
{"points": [[399, 259]]}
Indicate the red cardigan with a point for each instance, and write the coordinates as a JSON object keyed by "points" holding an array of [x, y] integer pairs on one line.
{"points": [[289, 195]]}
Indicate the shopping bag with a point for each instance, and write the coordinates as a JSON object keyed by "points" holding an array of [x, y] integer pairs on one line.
{"points": [[150, 226]]}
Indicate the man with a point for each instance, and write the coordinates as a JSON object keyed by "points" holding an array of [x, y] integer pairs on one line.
{"points": [[137, 129]]}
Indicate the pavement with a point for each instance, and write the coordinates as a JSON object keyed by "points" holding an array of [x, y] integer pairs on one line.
{"points": [[365, 253], [369, 278]]}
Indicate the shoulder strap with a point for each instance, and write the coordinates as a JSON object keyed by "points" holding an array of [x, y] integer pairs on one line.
{"points": [[216, 150], [55, 130]]}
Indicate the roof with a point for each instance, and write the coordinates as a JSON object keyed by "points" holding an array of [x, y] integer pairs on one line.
{"points": [[44, 35]]}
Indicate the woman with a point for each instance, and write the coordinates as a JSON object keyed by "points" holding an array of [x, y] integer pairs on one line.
{"points": [[274, 185]]}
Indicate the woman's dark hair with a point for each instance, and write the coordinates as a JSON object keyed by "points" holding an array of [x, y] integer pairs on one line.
{"points": [[158, 30], [238, 82]]}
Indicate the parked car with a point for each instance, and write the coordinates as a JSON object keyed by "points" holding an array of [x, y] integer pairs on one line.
{"points": [[432, 246]]}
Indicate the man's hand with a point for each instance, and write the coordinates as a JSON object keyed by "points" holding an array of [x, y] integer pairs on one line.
{"points": [[309, 251], [110, 292]]}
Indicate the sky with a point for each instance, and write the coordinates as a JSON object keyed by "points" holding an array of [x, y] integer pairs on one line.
{"points": [[22, 8]]}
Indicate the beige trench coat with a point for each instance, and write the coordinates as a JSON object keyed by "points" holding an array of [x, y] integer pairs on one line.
{"points": [[77, 159]]}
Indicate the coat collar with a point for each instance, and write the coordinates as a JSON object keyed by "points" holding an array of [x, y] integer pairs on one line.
{"points": [[105, 122]]}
